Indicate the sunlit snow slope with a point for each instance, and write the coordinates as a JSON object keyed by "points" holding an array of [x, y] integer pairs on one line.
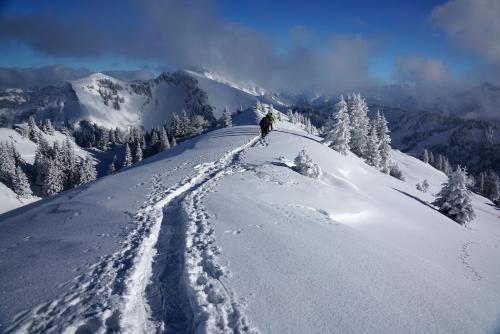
{"points": [[220, 234]]}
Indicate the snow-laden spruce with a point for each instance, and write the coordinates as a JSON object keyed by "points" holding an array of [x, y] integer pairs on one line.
{"points": [[164, 143], [384, 143], [424, 186], [372, 154], [425, 156], [358, 113], [21, 183], [305, 165], [454, 198], [338, 134], [112, 166], [128, 156], [226, 119]]}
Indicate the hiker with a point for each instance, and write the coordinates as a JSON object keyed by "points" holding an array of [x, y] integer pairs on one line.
{"points": [[264, 126], [270, 118]]}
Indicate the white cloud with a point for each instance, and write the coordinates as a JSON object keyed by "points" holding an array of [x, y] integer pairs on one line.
{"points": [[474, 25], [420, 69]]}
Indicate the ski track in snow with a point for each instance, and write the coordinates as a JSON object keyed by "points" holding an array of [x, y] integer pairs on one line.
{"points": [[111, 296], [191, 295]]}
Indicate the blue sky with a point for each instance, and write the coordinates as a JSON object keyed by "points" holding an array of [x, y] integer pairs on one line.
{"points": [[392, 30]]}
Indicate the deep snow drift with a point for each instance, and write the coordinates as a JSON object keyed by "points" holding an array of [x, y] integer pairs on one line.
{"points": [[220, 234]]}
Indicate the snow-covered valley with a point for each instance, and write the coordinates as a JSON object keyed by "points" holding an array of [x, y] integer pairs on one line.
{"points": [[220, 234]]}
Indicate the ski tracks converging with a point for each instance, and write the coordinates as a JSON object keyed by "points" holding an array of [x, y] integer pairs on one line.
{"points": [[111, 296]]}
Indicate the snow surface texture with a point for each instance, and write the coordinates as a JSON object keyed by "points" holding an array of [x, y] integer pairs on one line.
{"points": [[220, 234]]}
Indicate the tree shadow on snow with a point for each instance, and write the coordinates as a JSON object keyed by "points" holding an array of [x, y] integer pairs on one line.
{"points": [[417, 199], [496, 207], [298, 134]]}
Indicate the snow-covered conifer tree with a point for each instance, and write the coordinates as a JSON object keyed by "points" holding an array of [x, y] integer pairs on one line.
{"points": [[491, 188], [33, 130], [425, 156], [454, 198], [7, 165], [425, 185], [372, 154], [305, 166], [431, 158], [138, 152], [439, 162], [164, 143], [53, 183], [446, 166], [112, 165], [396, 172], [21, 183], [128, 156], [154, 137], [174, 142], [358, 113], [338, 133], [384, 143], [227, 119], [87, 171], [480, 183]]}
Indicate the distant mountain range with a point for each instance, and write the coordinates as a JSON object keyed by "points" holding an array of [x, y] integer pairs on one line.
{"points": [[111, 102]]}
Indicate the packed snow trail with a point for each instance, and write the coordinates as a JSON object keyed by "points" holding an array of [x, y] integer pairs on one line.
{"points": [[190, 295], [111, 296], [136, 313]]}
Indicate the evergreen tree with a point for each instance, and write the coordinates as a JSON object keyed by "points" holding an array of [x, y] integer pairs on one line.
{"points": [[305, 166], [138, 152], [112, 136], [112, 165], [454, 199], [431, 158], [69, 164], [174, 142], [175, 125], [128, 156], [439, 162], [164, 143], [87, 171], [396, 172], [358, 113], [425, 156], [7, 166], [425, 185], [53, 182], [446, 166], [21, 183], [491, 186], [480, 184], [47, 127], [384, 143], [33, 130], [227, 119], [338, 135], [154, 137], [372, 154]]}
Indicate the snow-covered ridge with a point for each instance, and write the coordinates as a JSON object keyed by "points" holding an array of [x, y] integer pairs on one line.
{"points": [[111, 102], [220, 230], [245, 87]]}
